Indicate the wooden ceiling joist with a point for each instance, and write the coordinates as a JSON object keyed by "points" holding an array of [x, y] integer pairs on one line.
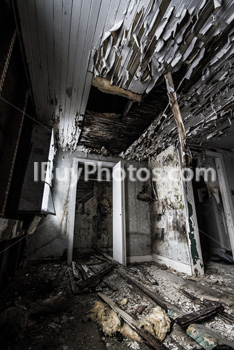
{"points": [[105, 86]]}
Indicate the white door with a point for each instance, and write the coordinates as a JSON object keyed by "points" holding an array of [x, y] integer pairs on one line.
{"points": [[119, 228]]}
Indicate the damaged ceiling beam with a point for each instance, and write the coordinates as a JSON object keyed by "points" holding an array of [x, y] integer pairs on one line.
{"points": [[176, 112], [105, 86]]}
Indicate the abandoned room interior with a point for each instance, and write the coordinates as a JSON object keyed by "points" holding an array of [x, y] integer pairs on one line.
{"points": [[117, 174]]}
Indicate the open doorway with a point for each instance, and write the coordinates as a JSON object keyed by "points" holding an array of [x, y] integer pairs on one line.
{"points": [[98, 210], [214, 209], [93, 216]]}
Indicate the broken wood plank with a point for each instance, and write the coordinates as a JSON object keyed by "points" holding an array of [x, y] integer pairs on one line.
{"points": [[95, 279], [74, 289], [105, 86], [210, 294], [186, 320], [147, 275], [176, 112], [88, 272], [101, 258], [105, 280], [76, 272], [224, 315], [208, 301], [190, 296], [82, 272], [228, 301], [107, 257], [156, 298], [149, 338]]}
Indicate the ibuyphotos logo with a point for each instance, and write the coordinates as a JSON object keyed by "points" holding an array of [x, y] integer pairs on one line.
{"points": [[97, 171]]}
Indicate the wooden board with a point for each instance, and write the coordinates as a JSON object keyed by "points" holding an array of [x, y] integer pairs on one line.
{"points": [[149, 339]]}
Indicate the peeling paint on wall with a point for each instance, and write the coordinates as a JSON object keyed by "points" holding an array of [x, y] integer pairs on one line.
{"points": [[193, 230], [168, 214], [193, 243]]}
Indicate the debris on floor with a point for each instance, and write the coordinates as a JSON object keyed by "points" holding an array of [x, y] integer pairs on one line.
{"points": [[108, 319], [156, 323], [49, 305]]}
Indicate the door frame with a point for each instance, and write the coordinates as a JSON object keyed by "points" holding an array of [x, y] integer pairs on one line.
{"points": [[225, 194], [196, 266], [119, 217], [72, 201]]}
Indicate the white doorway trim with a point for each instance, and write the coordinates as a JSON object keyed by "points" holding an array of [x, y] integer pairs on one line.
{"points": [[196, 259], [119, 221], [225, 193], [72, 203]]}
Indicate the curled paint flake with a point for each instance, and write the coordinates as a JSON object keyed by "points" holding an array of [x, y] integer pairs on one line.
{"points": [[230, 19], [214, 19], [152, 22], [206, 28], [211, 135], [176, 59], [195, 63], [159, 46], [217, 4], [136, 40], [191, 10]]}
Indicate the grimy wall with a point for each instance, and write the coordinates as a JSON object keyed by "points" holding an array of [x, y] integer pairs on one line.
{"points": [[52, 236], [93, 220], [170, 243]]}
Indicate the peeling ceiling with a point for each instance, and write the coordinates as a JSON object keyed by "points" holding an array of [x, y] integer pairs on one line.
{"points": [[132, 44]]}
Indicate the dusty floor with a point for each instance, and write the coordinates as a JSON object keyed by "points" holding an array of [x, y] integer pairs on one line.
{"points": [[69, 328]]}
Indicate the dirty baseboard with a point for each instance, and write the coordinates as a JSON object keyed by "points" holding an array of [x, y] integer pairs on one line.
{"points": [[176, 265], [139, 258]]}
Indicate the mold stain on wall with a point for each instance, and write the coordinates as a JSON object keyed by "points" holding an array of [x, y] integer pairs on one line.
{"points": [[168, 214]]}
